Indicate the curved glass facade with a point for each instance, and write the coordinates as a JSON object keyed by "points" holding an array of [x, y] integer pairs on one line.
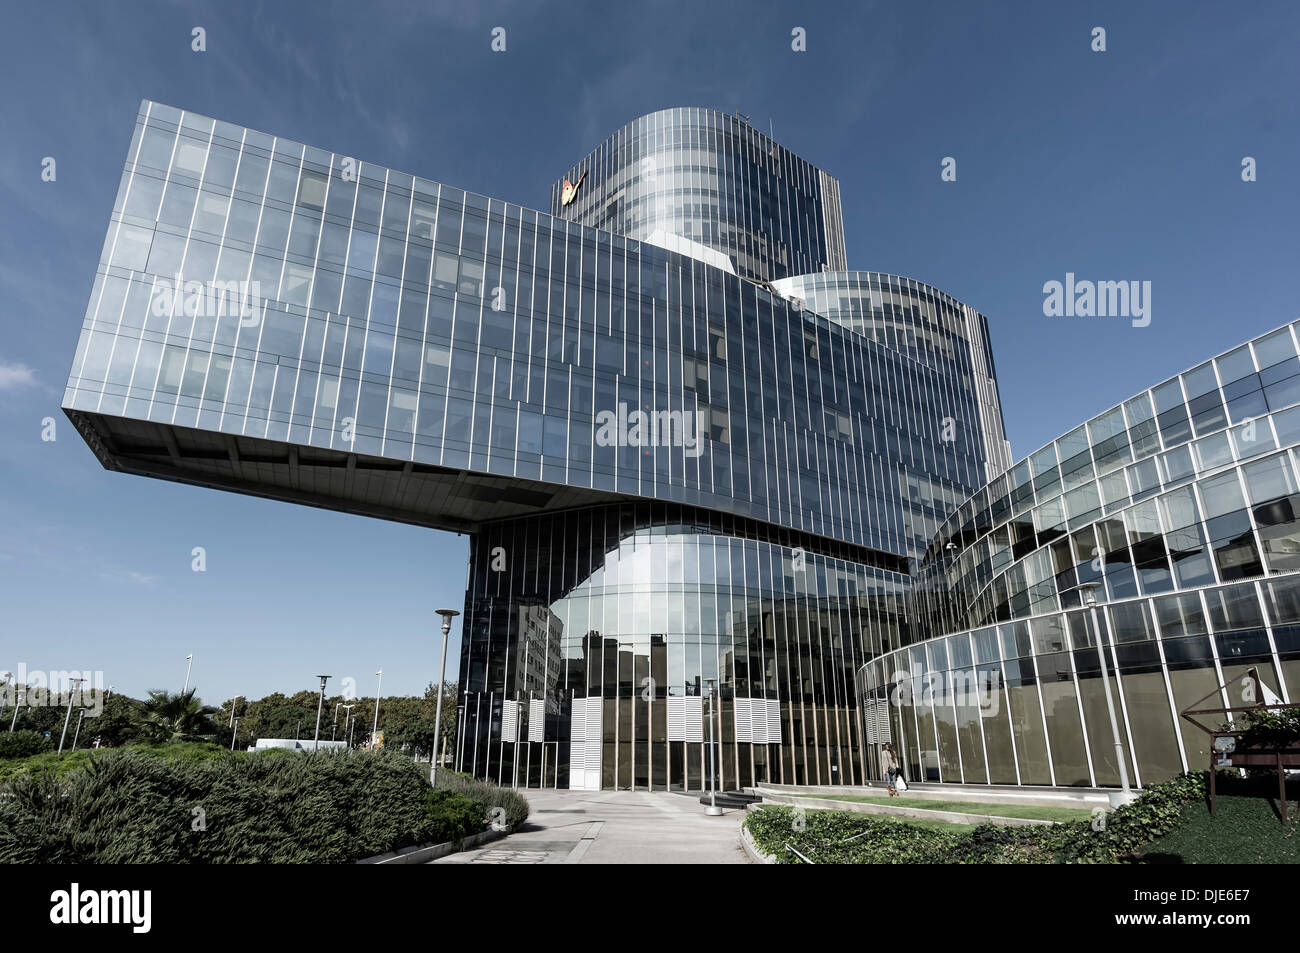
{"points": [[1175, 488], [1024, 703], [630, 609], [714, 179], [924, 323], [1183, 505]]}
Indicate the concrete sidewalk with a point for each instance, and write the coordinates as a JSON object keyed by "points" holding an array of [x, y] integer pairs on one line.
{"points": [[615, 827]]}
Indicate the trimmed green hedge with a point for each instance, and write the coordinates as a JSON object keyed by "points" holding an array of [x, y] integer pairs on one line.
{"points": [[132, 807], [1115, 837], [488, 797], [824, 837]]}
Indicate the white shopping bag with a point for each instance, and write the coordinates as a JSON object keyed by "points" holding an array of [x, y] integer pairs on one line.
{"points": [[900, 784]]}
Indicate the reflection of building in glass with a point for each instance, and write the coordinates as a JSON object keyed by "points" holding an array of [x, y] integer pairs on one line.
{"points": [[684, 596], [283, 321], [539, 670]]}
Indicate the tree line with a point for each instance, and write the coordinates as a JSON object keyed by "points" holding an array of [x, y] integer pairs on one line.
{"points": [[406, 723]]}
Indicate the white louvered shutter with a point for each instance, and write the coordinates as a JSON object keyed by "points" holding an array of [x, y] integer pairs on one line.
{"points": [[536, 719], [884, 729], [584, 744], [758, 721], [685, 718], [510, 721], [772, 709]]}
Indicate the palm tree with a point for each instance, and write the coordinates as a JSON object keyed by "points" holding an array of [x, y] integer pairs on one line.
{"points": [[175, 716]]}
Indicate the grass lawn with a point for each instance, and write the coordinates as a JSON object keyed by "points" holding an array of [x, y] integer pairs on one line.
{"points": [[926, 823], [1028, 811], [1246, 830], [61, 764]]}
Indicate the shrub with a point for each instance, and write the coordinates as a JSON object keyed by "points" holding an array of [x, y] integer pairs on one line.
{"points": [[454, 815], [136, 807], [1124, 831], [1271, 729], [824, 838], [46, 761], [60, 764], [23, 744], [487, 796]]}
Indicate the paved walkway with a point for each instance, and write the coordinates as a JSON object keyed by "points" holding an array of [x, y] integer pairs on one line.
{"points": [[614, 827]]}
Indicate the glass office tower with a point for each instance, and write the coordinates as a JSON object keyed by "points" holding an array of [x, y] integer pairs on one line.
{"points": [[674, 477], [715, 181]]}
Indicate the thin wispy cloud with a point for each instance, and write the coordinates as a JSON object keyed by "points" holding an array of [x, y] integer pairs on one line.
{"points": [[16, 376], [128, 577]]}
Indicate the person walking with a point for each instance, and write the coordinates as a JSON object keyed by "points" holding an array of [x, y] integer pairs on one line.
{"points": [[889, 767]]}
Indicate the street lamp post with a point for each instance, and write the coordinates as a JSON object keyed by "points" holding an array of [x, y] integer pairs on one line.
{"points": [[334, 722], [320, 707], [81, 716], [379, 691], [447, 616], [189, 663], [19, 694], [347, 723], [1089, 591], [712, 810], [232, 709], [234, 730], [68, 717]]}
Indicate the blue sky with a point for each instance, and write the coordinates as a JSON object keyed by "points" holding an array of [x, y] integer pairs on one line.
{"points": [[1117, 165]]}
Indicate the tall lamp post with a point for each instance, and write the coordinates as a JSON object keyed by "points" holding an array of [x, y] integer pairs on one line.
{"points": [[334, 722], [347, 724], [320, 707], [234, 722], [68, 717], [379, 691], [447, 616], [189, 663], [19, 695], [1089, 591], [712, 810], [77, 734]]}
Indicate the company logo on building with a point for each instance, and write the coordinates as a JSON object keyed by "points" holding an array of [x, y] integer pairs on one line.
{"points": [[570, 190], [651, 428]]}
